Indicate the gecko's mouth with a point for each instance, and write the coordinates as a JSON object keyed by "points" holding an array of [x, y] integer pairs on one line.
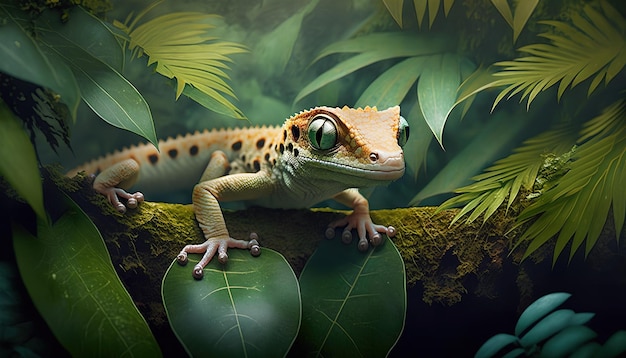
{"points": [[390, 170]]}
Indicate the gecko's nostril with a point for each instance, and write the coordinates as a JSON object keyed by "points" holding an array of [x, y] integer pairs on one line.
{"points": [[373, 157]]}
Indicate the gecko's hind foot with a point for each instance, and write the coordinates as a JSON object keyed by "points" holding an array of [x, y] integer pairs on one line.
{"points": [[114, 195]]}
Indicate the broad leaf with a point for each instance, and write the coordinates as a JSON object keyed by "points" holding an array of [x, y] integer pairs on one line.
{"points": [[182, 48], [247, 308], [353, 303], [23, 58], [104, 90], [547, 327], [18, 161], [70, 278], [436, 90]]}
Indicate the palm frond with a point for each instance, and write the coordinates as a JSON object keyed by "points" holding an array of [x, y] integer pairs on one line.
{"points": [[509, 175], [594, 46], [577, 206], [181, 47], [395, 9]]}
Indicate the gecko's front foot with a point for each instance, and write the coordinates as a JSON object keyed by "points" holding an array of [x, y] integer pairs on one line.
{"points": [[132, 199], [216, 245], [365, 229]]}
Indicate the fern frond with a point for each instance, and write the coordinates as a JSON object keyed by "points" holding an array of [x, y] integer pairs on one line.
{"points": [[594, 46], [181, 47], [577, 206], [509, 175]]}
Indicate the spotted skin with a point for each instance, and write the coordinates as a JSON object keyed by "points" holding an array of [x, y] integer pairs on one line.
{"points": [[316, 155]]}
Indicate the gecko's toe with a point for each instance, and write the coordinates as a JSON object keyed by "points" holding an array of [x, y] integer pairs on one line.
{"points": [[391, 231], [222, 257], [182, 258], [253, 245], [376, 239], [198, 272], [329, 233], [120, 207], [363, 245], [346, 236]]}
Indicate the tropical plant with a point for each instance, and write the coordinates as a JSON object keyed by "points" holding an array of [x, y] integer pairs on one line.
{"points": [[541, 330], [575, 204]]}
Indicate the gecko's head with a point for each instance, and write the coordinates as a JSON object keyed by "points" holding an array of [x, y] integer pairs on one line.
{"points": [[346, 142]]}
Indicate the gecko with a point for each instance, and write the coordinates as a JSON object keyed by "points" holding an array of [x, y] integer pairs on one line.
{"points": [[317, 154]]}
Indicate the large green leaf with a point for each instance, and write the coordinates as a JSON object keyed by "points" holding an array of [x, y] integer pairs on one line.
{"points": [[18, 161], [436, 90], [247, 308], [495, 344], [353, 303], [70, 278], [23, 58], [104, 89]]}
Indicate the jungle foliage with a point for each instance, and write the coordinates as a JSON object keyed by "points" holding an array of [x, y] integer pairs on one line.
{"points": [[567, 171]]}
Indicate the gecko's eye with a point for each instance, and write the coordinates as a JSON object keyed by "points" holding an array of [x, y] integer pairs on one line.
{"points": [[403, 132], [322, 132]]}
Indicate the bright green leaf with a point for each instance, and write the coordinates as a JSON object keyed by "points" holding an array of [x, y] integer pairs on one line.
{"points": [[353, 303], [247, 308], [539, 309], [505, 10], [69, 276], [18, 161], [436, 90], [23, 58], [420, 140]]}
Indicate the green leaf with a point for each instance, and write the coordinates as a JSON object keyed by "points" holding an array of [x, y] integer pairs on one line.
{"points": [[18, 161], [505, 10], [420, 140], [390, 88], [353, 303], [69, 276], [547, 327], [182, 48], [564, 343], [436, 90], [23, 58], [538, 309], [495, 344], [247, 308], [104, 90]]}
